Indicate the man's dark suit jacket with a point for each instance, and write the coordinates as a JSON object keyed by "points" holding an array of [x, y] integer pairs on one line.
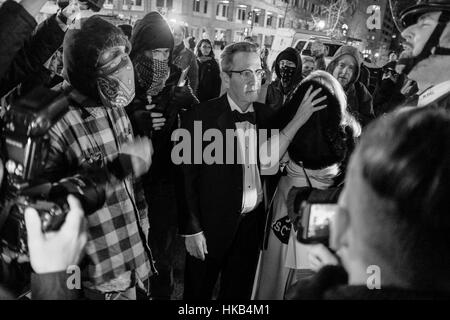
{"points": [[214, 192]]}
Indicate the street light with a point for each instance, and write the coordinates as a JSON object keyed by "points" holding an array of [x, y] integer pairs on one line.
{"points": [[321, 24]]}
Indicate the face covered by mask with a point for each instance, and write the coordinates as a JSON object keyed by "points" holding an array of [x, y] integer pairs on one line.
{"points": [[287, 74], [115, 82], [151, 74]]}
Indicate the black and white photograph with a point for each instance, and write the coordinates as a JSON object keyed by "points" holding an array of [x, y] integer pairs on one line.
{"points": [[228, 156]]}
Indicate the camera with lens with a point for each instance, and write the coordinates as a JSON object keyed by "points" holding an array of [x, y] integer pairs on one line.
{"points": [[25, 146], [311, 210]]}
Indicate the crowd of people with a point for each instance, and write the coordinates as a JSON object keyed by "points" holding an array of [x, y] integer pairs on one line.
{"points": [[135, 91]]}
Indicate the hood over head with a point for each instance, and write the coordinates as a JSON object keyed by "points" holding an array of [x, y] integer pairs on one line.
{"points": [[292, 55], [151, 32], [346, 50], [82, 49]]}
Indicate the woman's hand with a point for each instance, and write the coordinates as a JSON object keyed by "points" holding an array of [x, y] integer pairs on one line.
{"points": [[308, 106]]}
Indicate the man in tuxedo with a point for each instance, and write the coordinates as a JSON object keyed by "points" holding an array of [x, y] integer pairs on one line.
{"points": [[224, 223]]}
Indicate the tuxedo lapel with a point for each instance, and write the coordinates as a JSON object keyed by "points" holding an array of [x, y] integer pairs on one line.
{"points": [[225, 118]]}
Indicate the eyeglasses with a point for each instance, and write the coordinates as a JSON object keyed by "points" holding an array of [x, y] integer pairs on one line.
{"points": [[247, 74]]}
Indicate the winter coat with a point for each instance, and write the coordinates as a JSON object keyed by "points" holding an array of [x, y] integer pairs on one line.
{"points": [[21, 58], [183, 58], [359, 99], [387, 96], [209, 82], [276, 94]]}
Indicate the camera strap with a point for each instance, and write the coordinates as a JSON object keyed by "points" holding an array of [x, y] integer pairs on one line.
{"points": [[306, 175]]}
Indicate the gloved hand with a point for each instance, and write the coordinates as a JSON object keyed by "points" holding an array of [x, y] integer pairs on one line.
{"points": [[184, 96], [142, 122]]}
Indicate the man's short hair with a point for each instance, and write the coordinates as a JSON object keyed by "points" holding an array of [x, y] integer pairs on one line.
{"points": [[227, 55], [405, 159]]}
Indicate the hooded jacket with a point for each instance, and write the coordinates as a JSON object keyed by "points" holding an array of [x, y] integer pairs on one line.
{"points": [[151, 32], [359, 99], [276, 94]]}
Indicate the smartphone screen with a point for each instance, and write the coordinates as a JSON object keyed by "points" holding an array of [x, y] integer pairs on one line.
{"points": [[320, 218], [182, 80]]}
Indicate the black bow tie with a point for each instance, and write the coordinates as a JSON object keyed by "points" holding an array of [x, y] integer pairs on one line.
{"points": [[242, 117]]}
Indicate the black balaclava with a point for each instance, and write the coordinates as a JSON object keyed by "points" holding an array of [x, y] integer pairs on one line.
{"points": [[289, 76]]}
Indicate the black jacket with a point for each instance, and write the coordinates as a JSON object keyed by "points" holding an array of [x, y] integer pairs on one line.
{"points": [[209, 82], [330, 283], [16, 26], [27, 57], [214, 192]]}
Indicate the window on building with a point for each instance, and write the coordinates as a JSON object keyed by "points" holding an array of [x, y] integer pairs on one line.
{"points": [[222, 10], [164, 4], [109, 4], [205, 7], [241, 14], [280, 22], [305, 4], [269, 20], [257, 17], [136, 5], [313, 8], [196, 6]]}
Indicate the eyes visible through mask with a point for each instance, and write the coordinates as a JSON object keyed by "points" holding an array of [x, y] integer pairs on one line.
{"points": [[151, 74], [115, 81]]}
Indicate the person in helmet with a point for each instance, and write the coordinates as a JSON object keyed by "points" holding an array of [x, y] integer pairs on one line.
{"points": [[425, 25]]}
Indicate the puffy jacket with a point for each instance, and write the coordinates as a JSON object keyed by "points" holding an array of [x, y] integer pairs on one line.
{"points": [[359, 99]]}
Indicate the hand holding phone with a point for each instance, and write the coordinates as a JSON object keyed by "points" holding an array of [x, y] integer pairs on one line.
{"points": [[182, 80]]}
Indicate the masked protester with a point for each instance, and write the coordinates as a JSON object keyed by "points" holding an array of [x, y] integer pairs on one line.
{"points": [[288, 68], [345, 67], [388, 95], [425, 25], [155, 112], [95, 130]]}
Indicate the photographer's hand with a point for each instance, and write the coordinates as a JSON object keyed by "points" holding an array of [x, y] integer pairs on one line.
{"points": [[320, 256], [56, 251]]}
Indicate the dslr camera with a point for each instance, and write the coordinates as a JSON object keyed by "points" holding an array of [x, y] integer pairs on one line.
{"points": [[25, 145], [311, 211]]}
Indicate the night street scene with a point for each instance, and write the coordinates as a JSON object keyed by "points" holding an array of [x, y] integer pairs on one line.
{"points": [[227, 155]]}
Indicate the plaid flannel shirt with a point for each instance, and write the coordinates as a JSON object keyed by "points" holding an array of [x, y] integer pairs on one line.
{"points": [[119, 256]]}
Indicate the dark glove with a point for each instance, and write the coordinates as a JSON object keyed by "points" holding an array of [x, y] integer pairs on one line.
{"points": [[183, 97], [141, 122]]}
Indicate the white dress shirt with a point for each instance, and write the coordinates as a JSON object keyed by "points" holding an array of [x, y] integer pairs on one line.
{"points": [[248, 150]]}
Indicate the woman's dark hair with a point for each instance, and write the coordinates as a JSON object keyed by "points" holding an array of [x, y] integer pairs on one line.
{"points": [[199, 52], [405, 159], [328, 136]]}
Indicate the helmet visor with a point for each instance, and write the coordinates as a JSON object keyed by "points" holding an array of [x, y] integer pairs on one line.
{"points": [[398, 7]]}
